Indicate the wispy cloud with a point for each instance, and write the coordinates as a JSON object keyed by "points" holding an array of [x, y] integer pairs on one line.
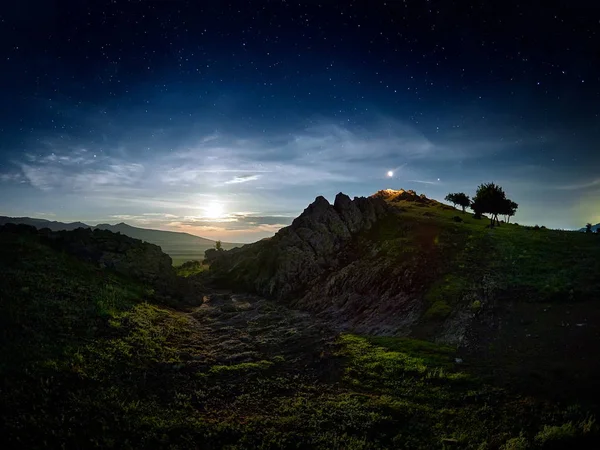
{"points": [[424, 181], [12, 177], [243, 179], [579, 186], [48, 175]]}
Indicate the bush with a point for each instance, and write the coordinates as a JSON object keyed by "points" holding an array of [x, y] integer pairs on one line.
{"points": [[518, 443], [536, 227], [439, 310], [457, 219], [553, 434]]}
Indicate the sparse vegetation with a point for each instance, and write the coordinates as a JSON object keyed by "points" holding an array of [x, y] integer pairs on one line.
{"points": [[459, 198], [190, 268]]}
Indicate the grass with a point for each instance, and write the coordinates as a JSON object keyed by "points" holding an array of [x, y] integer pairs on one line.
{"points": [[524, 263], [189, 268]]}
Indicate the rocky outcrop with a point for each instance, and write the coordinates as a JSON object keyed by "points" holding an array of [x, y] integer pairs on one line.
{"points": [[355, 263], [392, 195], [131, 257], [298, 256]]}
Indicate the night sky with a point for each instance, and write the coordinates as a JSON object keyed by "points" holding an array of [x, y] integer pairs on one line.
{"points": [[225, 119]]}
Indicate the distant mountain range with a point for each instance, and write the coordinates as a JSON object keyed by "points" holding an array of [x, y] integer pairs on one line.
{"points": [[179, 246]]}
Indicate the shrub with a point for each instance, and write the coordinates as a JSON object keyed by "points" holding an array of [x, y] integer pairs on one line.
{"points": [[536, 227], [518, 443], [553, 434], [439, 310], [457, 219]]}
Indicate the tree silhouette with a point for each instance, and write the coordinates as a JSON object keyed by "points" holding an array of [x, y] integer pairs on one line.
{"points": [[510, 208], [218, 246], [490, 198], [459, 198], [477, 209], [588, 227]]}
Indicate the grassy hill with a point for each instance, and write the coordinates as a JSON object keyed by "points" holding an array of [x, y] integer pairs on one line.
{"points": [[181, 247], [93, 359], [524, 301]]}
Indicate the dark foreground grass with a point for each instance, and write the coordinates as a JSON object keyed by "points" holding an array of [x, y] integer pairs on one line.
{"points": [[89, 360]]}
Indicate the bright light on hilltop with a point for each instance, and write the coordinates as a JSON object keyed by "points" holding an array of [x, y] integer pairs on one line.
{"points": [[214, 210], [390, 173]]}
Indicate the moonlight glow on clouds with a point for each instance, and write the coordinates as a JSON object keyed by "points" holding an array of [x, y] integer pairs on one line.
{"points": [[230, 127]]}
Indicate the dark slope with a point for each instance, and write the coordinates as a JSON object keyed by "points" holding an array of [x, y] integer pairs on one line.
{"points": [[43, 223], [90, 358], [180, 246]]}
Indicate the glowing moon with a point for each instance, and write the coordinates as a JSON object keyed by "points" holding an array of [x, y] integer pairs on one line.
{"points": [[390, 173], [213, 210]]}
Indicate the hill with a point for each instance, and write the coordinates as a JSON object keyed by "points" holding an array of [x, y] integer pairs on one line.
{"points": [[399, 264], [43, 223], [180, 246], [101, 346]]}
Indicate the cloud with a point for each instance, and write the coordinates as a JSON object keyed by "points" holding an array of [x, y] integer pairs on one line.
{"points": [[243, 179], [48, 175], [11, 177], [424, 181], [578, 186], [237, 221]]}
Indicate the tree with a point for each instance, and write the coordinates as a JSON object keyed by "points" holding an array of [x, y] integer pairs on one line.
{"points": [[477, 209], [510, 208], [490, 198], [588, 227], [459, 198], [218, 246]]}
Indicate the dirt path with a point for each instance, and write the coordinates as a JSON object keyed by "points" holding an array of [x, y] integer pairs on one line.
{"points": [[239, 328]]}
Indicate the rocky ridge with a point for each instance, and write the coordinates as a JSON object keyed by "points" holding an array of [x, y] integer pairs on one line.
{"points": [[298, 255], [327, 263]]}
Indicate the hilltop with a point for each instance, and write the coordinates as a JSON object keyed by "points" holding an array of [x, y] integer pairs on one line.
{"points": [[180, 246]]}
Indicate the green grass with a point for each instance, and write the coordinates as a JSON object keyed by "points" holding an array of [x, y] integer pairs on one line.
{"points": [[533, 265], [188, 268]]}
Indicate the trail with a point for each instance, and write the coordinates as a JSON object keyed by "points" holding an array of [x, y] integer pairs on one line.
{"points": [[233, 328]]}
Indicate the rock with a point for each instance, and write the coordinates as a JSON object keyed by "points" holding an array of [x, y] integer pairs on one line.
{"points": [[300, 254]]}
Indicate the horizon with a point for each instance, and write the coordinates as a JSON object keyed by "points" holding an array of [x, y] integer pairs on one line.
{"points": [[229, 128], [148, 223]]}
